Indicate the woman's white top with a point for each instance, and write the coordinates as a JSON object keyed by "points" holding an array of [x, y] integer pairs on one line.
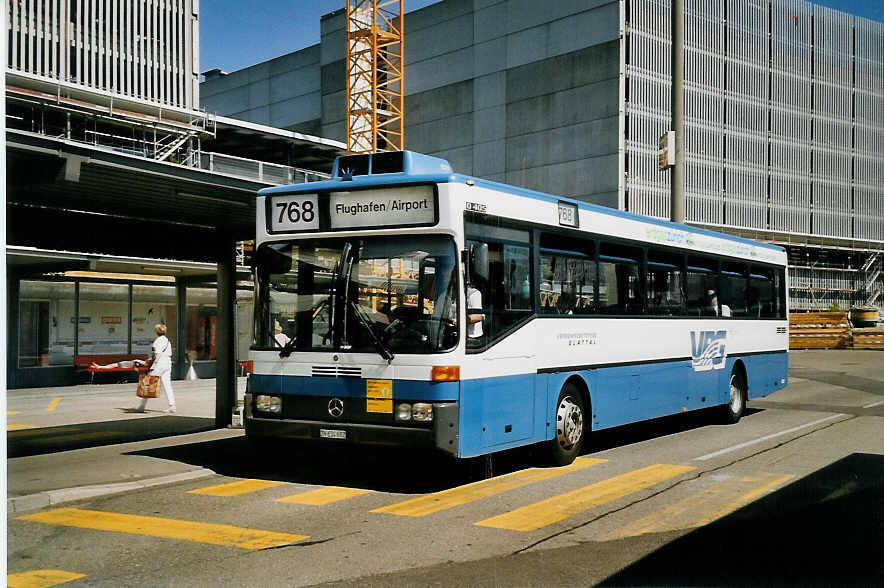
{"points": [[162, 353]]}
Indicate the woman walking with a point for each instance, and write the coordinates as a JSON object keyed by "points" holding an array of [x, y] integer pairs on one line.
{"points": [[162, 367]]}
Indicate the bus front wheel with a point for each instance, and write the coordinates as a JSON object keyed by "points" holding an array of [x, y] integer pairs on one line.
{"points": [[570, 423], [736, 402]]}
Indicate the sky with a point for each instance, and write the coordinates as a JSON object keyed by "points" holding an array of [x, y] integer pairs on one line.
{"points": [[235, 34]]}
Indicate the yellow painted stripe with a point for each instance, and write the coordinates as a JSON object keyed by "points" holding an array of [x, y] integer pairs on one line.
{"points": [[13, 427], [323, 496], [558, 508], [43, 431], [12, 412], [41, 578], [746, 499], [226, 535], [236, 488], [425, 505], [80, 437], [683, 514], [53, 404]]}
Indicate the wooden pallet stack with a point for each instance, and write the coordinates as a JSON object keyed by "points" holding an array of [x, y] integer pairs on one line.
{"points": [[819, 330], [868, 338]]}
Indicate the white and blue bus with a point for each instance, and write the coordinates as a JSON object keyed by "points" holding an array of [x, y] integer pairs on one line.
{"points": [[401, 303]]}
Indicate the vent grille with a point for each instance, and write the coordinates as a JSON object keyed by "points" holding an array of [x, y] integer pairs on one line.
{"points": [[781, 330], [334, 371]]}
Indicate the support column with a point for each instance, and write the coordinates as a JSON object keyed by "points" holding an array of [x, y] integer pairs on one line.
{"points": [[677, 173], [181, 359], [225, 334]]}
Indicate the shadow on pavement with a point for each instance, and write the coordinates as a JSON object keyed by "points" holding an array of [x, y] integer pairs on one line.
{"points": [[825, 529], [42, 440], [660, 427], [387, 469]]}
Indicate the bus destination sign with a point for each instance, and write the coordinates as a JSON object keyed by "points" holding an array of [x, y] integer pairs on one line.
{"points": [[334, 211], [388, 207]]}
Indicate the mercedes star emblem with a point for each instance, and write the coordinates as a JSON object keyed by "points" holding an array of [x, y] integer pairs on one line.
{"points": [[336, 407]]}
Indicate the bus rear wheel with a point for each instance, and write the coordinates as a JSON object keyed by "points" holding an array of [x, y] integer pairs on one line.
{"points": [[736, 402], [570, 423]]}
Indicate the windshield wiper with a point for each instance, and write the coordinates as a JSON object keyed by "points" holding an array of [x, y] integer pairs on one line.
{"points": [[287, 348], [382, 349]]}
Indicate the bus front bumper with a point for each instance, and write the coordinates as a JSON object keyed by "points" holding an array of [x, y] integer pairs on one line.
{"points": [[443, 435]]}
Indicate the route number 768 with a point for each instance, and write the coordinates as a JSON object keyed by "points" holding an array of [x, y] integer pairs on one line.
{"points": [[295, 213]]}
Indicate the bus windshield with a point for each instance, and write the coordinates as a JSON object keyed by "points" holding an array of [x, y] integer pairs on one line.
{"points": [[377, 294]]}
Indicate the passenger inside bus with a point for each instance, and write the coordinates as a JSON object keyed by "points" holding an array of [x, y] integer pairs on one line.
{"points": [[714, 307]]}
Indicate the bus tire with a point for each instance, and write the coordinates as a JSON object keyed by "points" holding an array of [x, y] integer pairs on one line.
{"points": [[736, 402], [570, 426]]}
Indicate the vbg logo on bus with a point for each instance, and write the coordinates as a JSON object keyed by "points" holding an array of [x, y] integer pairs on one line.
{"points": [[708, 350]]}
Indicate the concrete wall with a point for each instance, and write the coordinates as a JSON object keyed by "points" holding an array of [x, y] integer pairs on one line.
{"points": [[510, 90], [283, 92]]}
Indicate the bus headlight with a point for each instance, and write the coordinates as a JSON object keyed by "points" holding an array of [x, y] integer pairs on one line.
{"points": [[403, 412], [271, 404], [422, 412]]}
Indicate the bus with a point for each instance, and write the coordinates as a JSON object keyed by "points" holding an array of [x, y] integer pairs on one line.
{"points": [[401, 303]]}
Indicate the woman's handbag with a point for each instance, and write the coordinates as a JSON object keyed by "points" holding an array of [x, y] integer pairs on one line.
{"points": [[148, 386]]}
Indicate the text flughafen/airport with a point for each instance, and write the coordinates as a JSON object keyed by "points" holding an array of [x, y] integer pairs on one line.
{"points": [[372, 207]]}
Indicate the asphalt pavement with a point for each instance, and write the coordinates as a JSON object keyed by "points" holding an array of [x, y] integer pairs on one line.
{"points": [[73, 442], [90, 443]]}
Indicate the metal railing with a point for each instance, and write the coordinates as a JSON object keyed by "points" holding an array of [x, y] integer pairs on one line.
{"points": [[261, 171]]}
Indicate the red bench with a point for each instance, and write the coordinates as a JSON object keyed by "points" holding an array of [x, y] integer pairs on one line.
{"points": [[84, 363]]}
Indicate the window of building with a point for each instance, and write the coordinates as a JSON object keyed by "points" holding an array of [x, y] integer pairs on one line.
{"points": [[619, 279], [201, 322], [104, 319], [152, 305], [46, 323]]}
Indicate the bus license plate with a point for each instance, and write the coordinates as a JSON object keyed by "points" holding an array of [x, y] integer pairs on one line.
{"points": [[332, 434]]}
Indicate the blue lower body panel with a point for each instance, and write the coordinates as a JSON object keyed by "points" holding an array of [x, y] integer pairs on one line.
{"points": [[481, 416]]}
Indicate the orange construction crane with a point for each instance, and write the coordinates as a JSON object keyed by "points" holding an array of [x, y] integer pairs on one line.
{"points": [[375, 76]]}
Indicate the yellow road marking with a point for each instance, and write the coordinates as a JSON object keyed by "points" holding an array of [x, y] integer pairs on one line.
{"points": [[558, 508], [323, 496], [19, 427], [80, 437], [212, 534], [425, 505], [679, 514], [53, 404], [746, 499], [236, 488], [41, 578], [47, 431], [12, 412]]}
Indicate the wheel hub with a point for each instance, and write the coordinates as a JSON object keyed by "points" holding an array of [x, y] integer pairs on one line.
{"points": [[569, 423]]}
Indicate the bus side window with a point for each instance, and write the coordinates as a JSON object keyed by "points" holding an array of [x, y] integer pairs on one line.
{"points": [[619, 280], [700, 280], [506, 294], [762, 295], [663, 281], [734, 286]]}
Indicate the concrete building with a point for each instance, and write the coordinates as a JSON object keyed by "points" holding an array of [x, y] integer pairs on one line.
{"points": [[124, 200], [784, 107]]}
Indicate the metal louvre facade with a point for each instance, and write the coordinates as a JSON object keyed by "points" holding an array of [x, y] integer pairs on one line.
{"points": [[147, 50], [784, 117]]}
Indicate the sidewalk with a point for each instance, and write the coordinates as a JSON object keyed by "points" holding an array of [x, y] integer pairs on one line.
{"points": [[74, 442]]}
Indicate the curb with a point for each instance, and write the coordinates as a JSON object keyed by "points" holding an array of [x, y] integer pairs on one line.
{"points": [[52, 497]]}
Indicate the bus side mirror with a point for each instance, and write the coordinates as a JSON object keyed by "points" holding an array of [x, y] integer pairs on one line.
{"points": [[478, 261]]}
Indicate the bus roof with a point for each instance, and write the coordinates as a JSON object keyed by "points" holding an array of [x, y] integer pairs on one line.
{"points": [[408, 167]]}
